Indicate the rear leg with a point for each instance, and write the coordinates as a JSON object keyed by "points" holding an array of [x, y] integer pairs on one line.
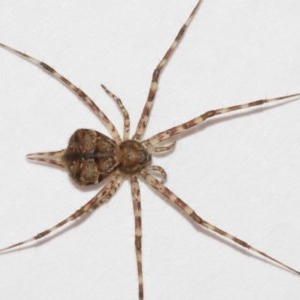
{"points": [[108, 190], [187, 210], [136, 198]]}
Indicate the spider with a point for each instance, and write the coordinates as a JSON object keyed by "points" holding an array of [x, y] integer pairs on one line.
{"points": [[92, 158]]}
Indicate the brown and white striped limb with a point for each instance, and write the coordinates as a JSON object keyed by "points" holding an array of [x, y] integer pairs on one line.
{"points": [[108, 190], [156, 75], [136, 198], [80, 93], [187, 210], [157, 172], [177, 130], [123, 111]]}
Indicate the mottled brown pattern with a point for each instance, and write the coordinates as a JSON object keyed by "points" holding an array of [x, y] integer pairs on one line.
{"points": [[133, 157], [91, 157]]}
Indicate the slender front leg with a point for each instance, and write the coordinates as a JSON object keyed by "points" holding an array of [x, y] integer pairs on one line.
{"points": [[187, 210], [156, 74], [123, 111], [80, 93], [174, 131], [136, 197]]}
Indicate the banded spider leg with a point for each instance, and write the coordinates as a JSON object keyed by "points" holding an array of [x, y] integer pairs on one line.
{"points": [[92, 157]]}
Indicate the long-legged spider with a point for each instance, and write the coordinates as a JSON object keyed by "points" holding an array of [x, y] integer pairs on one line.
{"points": [[92, 157]]}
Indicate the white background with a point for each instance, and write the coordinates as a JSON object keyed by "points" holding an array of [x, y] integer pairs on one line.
{"points": [[240, 172]]}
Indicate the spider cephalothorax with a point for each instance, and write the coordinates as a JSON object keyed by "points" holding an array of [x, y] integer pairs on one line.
{"points": [[91, 156], [133, 157]]}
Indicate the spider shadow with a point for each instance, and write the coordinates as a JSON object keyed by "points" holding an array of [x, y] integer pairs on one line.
{"points": [[215, 236]]}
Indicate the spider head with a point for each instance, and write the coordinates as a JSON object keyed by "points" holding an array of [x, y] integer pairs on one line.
{"points": [[133, 157]]}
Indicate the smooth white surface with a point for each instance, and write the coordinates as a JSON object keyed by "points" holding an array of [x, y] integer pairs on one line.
{"points": [[241, 174]]}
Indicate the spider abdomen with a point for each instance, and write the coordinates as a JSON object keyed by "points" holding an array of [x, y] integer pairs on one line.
{"points": [[90, 156]]}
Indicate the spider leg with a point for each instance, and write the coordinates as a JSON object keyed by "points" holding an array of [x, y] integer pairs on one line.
{"points": [[123, 111], [136, 197], [170, 196], [161, 149], [108, 190], [174, 131], [80, 93], [156, 170], [156, 74]]}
